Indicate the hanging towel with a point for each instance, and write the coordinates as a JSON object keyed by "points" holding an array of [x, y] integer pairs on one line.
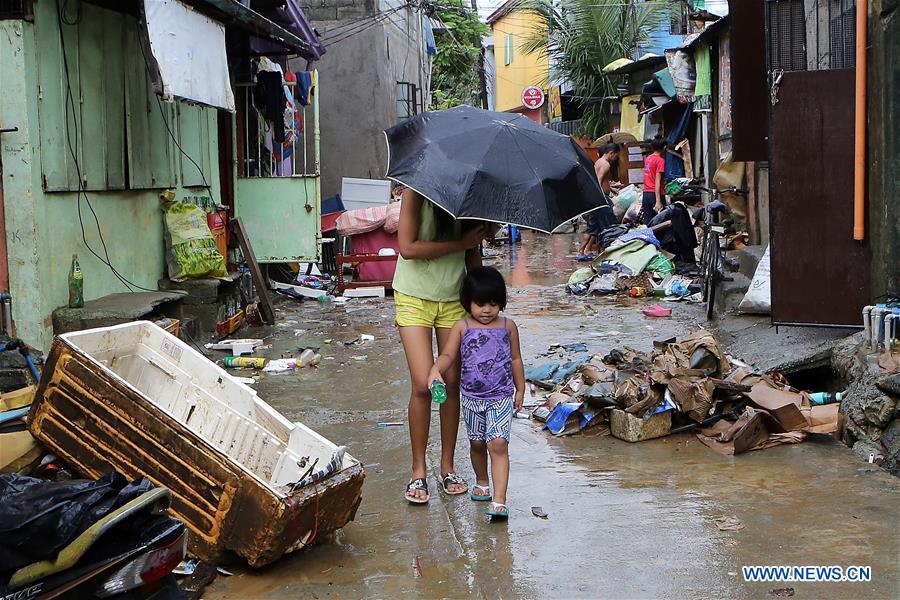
{"points": [[304, 86]]}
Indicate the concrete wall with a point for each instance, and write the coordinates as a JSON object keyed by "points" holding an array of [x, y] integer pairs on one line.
{"points": [[358, 77], [884, 146], [43, 229]]}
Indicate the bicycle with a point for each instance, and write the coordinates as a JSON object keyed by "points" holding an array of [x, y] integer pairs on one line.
{"points": [[713, 253]]}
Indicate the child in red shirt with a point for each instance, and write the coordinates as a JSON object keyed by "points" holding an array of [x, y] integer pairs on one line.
{"points": [[654, 185]]}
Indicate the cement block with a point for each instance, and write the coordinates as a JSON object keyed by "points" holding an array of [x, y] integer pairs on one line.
{"points": [[195, 288], [320, 13], [113, 310], [626, 426]]}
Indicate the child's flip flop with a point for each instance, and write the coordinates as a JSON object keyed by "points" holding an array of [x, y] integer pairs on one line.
{"points": [[414, 486], [497, 511], [453, 479], [477, 497]]}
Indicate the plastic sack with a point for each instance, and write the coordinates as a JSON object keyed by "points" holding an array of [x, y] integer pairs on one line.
{"points": [[39, 517], [191, 250], [758, 299], [582, 275], [661, 265], [628, 196]]}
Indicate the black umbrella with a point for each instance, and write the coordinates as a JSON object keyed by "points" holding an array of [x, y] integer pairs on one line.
{"points": [[500, 167]]}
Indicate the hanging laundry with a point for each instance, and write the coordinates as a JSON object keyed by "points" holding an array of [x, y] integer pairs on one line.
{"points": [[304, 86], [268, 96]]}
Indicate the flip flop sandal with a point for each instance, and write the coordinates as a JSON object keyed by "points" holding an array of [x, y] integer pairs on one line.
{"points": [[415, 485], [497, 511], [450, 479], [486, 497]]}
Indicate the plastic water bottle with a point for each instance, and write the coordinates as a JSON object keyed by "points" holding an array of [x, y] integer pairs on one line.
{"points": [[325, 299], [305, 357], [826, 397], [438, 392]]}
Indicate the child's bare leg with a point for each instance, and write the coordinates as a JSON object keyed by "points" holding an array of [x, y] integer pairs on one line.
{"points": [[499, 451], [479, 454]]}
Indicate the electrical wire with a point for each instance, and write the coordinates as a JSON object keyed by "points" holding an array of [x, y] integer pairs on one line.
{"points": [[380, 18], [69, 105]]}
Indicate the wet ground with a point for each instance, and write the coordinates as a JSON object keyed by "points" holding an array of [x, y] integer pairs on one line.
{"points": [[625, 520]]}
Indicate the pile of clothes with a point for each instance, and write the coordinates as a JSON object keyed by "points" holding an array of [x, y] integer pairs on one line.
{"points": [[632, 258], [730, 406]]}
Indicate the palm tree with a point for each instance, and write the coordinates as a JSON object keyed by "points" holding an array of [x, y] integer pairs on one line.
{"points": [[580, 37]]}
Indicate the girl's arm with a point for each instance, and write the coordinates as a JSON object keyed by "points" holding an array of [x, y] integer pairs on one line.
{"points": [[449, 354], [411, 247], [518, 368]]}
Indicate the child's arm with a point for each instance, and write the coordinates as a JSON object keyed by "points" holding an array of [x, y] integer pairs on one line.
{"points": [[448, 355], [659, 192], [518, 368]]}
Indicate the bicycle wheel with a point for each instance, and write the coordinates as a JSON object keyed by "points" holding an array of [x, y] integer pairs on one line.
{"points": [[704, 263], [711, 282]]}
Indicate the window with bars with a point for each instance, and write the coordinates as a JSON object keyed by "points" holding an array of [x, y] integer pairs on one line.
{"points": [[786, 28], [407, 105], [810, 34]]}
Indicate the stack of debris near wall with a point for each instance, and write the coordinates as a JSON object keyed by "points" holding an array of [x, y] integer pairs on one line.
{"points": [[691, 385]]}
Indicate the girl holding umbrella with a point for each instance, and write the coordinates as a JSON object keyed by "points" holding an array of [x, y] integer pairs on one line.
{"points": [[434, 257], [470, 165]]}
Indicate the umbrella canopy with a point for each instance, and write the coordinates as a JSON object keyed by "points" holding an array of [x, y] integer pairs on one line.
{"points": [[500, 167], [615, 137]]}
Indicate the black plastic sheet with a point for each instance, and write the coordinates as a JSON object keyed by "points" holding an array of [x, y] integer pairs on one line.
{"points": [[38, 518]]}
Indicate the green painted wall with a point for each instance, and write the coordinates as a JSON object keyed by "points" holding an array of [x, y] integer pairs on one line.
{"points": [[123, 143]]}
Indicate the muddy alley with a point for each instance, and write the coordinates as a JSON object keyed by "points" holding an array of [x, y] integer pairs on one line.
{"points": [[623, 520]]}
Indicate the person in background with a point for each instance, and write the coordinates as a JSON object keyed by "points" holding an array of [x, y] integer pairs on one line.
{"points": [[654, 181], [435, 253], [609, 155]]}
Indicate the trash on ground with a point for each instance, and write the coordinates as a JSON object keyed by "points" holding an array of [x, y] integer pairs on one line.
{"points": [[391, 424], [686, 385], [657, 311], [539, 512], [725, 523], [366, 338], [365, 292], [782, 592], [244, 362], [361, 358], [135, 398], [236, 347]]}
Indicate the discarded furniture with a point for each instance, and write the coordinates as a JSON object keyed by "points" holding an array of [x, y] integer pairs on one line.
{"points": [[134, 398]]}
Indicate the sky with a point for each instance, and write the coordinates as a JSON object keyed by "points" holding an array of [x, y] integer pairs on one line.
{"points": [[486, 7]]}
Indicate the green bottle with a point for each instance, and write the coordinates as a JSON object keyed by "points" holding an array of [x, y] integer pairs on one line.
{"points": [[76, 284], [438, 392]]}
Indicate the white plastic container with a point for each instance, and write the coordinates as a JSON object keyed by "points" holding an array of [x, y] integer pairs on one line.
{"points": [[364, 193]]}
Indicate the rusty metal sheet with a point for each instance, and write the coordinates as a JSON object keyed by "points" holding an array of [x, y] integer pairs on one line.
{"points": [[96, 422], [820, 275]]}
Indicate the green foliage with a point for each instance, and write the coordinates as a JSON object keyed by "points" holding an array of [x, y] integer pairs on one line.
{"points": [[455, 76], [580, 37]]}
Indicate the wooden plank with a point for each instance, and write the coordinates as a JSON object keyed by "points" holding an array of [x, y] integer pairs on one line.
{"points": [[102, 97], [57, 167], [267, 311]]}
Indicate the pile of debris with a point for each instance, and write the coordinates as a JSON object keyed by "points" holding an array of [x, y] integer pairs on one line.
{"points": [[691, 385], [633, 260]]}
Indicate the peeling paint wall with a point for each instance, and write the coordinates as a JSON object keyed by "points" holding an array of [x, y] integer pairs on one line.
{"points": [[43, 228]]}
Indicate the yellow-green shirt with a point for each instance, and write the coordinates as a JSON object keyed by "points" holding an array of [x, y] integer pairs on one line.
{"points": [[435, 279]]}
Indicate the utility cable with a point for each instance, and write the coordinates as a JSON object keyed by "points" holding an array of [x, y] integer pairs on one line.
{"points": [[69, 105]]}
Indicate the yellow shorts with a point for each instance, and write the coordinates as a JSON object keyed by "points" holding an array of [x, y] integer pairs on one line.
{"points": [[415, 312]]}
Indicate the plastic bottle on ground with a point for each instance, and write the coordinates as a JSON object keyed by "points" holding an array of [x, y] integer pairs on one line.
{"points": [[826, 397]]}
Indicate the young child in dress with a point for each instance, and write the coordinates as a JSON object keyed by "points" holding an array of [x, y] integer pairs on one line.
{"points": [[492, 383]]}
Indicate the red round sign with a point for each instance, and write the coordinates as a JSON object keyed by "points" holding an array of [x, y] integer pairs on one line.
{"points": [[532, 97]]}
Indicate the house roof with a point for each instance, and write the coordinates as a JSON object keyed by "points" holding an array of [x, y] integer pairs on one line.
{"points": [[501, 11], [296, 36], [710, 32]]}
